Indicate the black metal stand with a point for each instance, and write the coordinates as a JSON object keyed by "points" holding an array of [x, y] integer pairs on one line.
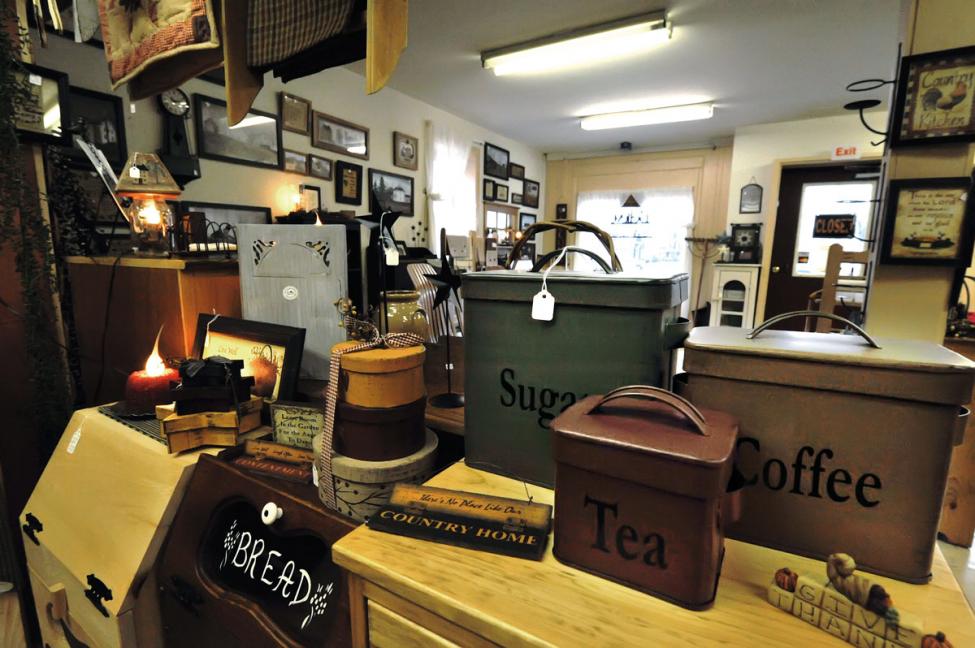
{"points": [[449, 399]]}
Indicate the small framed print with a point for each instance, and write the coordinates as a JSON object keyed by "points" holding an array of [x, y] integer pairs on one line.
{"points": [[516, 171], [295, 113], [319, 167], [406, 150], [45, 112], [311, 197], [530, 193], [750, 201], [334, 134], [516, 199], [295, 162], [526, 220], [501, 192], [488, 189], [928, 222], [296, 424], [390, 192], [496, 161], [254, 142], [934, 98], [348, 183]]}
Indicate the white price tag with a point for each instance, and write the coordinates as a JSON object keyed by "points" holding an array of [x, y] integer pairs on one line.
{"points": [[134, 172], [543, 306], [73, 443], [35, 79], [392, 256]]}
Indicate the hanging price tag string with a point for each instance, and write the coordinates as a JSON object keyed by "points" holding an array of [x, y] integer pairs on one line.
{"points": [[543, 303]]}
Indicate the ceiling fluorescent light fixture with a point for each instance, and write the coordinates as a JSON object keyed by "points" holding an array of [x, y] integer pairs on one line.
{"points": [[583, 46], [665, 115]]}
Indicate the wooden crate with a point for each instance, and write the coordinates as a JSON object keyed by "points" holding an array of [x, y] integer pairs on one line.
{"points": [[96, 521], [189, 431]]}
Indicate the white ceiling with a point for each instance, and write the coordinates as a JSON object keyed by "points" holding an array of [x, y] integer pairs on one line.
{"points": [[758, 60]]}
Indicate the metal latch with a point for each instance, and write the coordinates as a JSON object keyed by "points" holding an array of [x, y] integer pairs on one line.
{"points": [[97, 592], [32, 526]]}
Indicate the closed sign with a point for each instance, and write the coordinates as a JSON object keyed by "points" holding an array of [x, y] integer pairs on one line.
{"points": [[834, 226]]}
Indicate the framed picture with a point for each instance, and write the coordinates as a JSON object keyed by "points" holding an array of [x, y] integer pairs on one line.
{"points": [[531, 191], [46, 112], [348, 183], [750, 201], [296, 424], [216, 75], [488, 189], [393, 192], [311, 197], [296, 162], [526, 220], [516, 171], [928, 222], [271, 352], [501, 192], [516, 199], [934, 98], [103, 124], [338, 135], [222, 219], [256, 141], [496, 161], [406, 150], [319, 167], [295, 113]]}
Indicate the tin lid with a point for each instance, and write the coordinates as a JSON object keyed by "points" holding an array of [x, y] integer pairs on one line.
{"points": [[382, 360], [650, 436], [620, 289]]}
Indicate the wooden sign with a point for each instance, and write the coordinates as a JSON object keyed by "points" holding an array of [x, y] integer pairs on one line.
{"points": [[278, 452], [296, 424], [834, 226], [496, 524], [935, 102], [929, 222]]}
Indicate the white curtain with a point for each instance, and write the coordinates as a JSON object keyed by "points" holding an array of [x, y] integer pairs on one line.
{"points": [[451, 184], [649, 239]]}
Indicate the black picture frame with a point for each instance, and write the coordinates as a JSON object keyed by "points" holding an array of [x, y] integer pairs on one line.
{"points": [[500, 192], [965, 234], [388, 202], [82, 101], [313, 172], [907, 103], [311, 189], [516, 171], [526, 220], [319, 140], [348, 175], [221, 222], [750, 199], [36, 77], [531, 192], [488, 192], [290, 338], [516, 198], [496, 161], [206, 143]]}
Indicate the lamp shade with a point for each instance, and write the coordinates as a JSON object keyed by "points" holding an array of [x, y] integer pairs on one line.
{"points": [[144, 173]]}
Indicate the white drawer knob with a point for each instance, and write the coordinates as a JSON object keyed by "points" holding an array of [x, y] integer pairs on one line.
{"points": [[271, 513]]}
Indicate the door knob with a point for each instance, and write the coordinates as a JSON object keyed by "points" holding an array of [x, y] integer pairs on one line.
{"points": [[776, 268]]}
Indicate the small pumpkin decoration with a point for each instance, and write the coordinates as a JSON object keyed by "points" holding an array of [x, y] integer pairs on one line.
{"points": [[786, 579], [937, 640]]}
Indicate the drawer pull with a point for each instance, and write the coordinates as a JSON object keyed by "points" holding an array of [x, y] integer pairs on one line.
{"points": [[97, 592], [31, 527], [271, 513]]}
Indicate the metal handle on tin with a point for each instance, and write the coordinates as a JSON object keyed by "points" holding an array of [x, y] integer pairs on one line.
{"points": [[811, 313], [657, 394]]}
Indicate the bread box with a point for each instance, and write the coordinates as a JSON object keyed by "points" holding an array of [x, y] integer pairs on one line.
{"points": [[381, 377], [92, 531], [248, 562], [845, 440], [640, 479]]}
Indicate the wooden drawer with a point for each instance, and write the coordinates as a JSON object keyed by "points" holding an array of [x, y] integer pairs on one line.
{"points": [[389, 630]]}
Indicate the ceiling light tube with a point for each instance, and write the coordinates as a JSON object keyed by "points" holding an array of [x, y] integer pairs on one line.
{"points": [[597, 43], [665, 115]]}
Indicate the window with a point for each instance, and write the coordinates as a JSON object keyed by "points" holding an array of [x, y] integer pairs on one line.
{"points": [[820, 198], [452, 172]]}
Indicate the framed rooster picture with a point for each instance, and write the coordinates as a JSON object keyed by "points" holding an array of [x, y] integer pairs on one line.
{"points": [[934, 98]]}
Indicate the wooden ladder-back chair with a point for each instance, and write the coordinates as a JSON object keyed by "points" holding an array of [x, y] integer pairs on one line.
{"points": [[824, 299]]}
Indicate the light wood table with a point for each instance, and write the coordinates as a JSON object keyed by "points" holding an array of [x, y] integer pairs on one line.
{"points": [[407, 592]]}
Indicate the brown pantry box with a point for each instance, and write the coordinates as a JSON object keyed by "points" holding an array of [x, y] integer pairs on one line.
{"points": [[845, 441], [640, 480], [248, 562]]}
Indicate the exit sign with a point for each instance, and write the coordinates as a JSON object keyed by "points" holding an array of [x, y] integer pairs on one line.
{"points": [[845, 153]]}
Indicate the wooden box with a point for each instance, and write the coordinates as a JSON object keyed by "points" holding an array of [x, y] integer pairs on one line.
{"points": [[248, 563], [840, 441], [382, 377], [92, 530], [189, 431], [293, 275], [640, 476]]}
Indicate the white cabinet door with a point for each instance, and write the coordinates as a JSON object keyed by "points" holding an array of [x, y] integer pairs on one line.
{"points": [[733, 296]]}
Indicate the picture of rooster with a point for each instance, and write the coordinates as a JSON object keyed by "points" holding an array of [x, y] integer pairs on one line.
{"points": [[934, 99]]}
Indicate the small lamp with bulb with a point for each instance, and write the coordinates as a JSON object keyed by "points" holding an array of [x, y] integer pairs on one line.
{"points": [[147, 186]]}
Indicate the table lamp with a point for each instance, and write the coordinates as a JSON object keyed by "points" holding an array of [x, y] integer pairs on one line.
{"points": [[148, 185]]}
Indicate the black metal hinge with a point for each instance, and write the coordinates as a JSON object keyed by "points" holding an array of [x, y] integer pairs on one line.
{"points": [[97, 592], [187, 595], [32, 526]]}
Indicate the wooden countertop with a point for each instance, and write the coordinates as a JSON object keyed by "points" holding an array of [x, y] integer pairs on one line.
{"points": [[164, 263], [522, 602]]}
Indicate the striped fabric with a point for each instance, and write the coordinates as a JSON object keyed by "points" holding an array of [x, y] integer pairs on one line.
{"points": [[279, 29], [326, 484], [438, 317]]}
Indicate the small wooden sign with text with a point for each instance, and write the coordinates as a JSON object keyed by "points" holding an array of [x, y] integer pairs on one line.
{"points": [[496, 524], [296, 424]]}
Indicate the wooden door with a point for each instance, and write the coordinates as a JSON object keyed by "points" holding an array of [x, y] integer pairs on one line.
{"points": [[805, 191]]}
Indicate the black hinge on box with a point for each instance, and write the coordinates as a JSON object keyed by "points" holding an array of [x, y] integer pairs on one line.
{"points": [[73, 641], [32, 526], [187, 595], [98, 592]]}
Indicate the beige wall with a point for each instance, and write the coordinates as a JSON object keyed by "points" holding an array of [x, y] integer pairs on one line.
{"points": [[705, 171], [905, 301], [337, 92]]}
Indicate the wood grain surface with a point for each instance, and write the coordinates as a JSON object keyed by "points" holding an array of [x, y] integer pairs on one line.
{"points": [[519, 602]]}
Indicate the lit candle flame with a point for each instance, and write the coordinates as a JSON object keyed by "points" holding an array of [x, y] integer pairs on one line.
{"points": [[149, 213], [318, 220], [154, 363]]}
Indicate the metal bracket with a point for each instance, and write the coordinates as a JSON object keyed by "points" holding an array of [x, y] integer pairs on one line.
{"points": [[32, 527], [97, 592]]}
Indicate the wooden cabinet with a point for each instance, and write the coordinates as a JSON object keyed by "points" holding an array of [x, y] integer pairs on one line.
{"points": [[119, 305], [734, 289], [408, 592]]}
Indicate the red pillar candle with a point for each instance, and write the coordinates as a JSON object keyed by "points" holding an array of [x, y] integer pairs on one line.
{"points": [[149, 387]]}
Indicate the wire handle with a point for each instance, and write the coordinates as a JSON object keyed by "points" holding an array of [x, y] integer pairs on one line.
{"points": [[811, 313], [659, 395]]}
